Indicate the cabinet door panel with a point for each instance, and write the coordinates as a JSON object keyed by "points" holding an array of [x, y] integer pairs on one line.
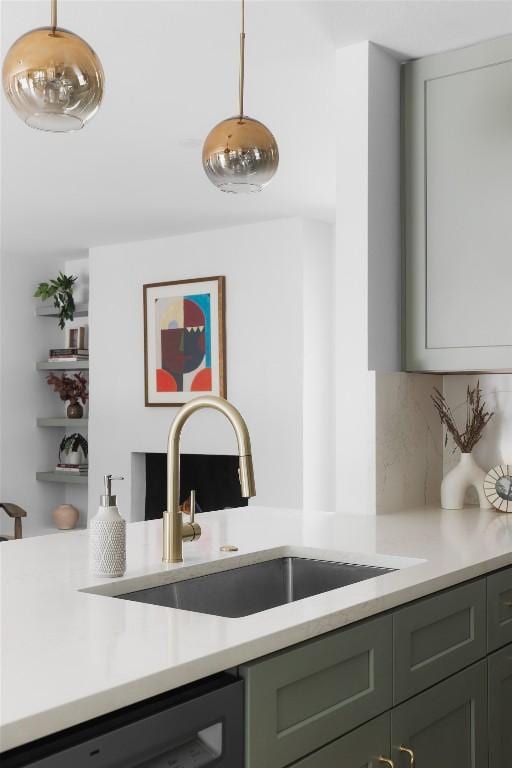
{"points": [[437, 636], [499, 609], [469, 238], [446, 726], [302, 698], [457, 160], [500, 708], [359, 749]]}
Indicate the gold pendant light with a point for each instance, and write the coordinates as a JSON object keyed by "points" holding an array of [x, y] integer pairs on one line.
{"points": [[240, 154], [52, 78]]}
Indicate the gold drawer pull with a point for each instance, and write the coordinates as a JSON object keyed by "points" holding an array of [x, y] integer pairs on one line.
{"points": [[410, 754], [508, 603], [386, 761]]}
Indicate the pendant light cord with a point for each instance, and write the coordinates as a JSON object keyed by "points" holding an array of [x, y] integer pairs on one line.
{"points": [[242, 65], [54, 15]]}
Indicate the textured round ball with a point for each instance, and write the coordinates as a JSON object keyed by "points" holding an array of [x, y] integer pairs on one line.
{"points": [[65, 517], [240, 155], [53, 79]]}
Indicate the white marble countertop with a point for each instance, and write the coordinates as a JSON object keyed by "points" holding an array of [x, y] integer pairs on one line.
{"points": [[69, 655]]}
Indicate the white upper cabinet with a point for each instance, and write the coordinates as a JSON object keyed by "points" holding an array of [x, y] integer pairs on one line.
{"points": [[457, 209]]}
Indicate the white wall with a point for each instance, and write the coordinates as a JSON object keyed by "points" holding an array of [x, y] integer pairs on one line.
{"points": [[368, 259], [319, 391], [24, 395], [265, 267]]}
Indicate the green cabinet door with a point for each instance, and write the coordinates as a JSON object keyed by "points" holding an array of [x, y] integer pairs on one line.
{"points": [[446, 726], [457, 199], [298, 700], [500, 708], [363, 748], [499, 609]]}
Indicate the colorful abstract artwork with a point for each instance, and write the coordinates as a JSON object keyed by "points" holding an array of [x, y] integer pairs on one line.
{"points": [[184, 340]]}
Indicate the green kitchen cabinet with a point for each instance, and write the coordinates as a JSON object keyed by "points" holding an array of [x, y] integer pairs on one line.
{"points": [[437, 636], [500, 708], [414, 686], [445, 726], [366, 747], [456, 202], [499, 609], [302, 698]]}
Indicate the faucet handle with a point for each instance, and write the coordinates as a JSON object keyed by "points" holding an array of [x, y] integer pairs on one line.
{"points": [[191, 531], [192, 506]]}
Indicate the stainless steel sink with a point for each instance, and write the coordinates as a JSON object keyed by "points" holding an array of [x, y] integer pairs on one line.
{"points": [[257, 587]]}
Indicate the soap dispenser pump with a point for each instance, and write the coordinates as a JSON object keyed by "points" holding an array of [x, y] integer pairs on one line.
{"points": [[108, 535]]}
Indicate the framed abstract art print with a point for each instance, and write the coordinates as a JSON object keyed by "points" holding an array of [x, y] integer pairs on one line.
{"points": [[184, 340]]}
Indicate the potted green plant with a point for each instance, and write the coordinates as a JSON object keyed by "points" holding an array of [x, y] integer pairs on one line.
{"points": [[60, 289], [73, 449], [72, 389]]}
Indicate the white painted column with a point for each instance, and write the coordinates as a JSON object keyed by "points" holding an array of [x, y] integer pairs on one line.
{"points": [[368, 282]]}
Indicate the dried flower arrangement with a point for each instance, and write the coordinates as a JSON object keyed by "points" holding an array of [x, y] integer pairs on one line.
{"points": [[72, 388], [476, 418]]}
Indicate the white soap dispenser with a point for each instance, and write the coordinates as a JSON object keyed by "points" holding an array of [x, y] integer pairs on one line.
{"points": [[108, 535]]}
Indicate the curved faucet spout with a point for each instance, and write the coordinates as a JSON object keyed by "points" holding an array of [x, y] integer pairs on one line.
{"points": [[174, 530]]}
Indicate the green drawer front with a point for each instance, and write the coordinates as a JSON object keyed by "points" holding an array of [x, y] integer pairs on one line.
{"points": [[437, 636], [300, 699], [500, 708], [359, 749], [499, 609]]}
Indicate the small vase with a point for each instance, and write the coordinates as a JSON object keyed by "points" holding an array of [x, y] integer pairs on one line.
{"points": [[456, 482], [75, 411], [65, 517], [74, 457]]}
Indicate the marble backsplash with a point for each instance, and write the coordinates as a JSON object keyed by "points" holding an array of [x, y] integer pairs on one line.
{"points": [[409, 449], [410, 455]]}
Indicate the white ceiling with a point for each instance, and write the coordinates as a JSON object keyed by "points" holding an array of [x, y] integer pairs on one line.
{"points": [[135, 171]]}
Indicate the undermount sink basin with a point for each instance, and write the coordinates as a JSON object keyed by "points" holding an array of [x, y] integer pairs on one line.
{"points": [[256, 587]]}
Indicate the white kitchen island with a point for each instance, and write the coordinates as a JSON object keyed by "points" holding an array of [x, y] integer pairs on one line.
{"points": [[69, 655]]}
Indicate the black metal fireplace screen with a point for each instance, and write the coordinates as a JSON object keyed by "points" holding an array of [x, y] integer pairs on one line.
{"points": [[214, 478]]}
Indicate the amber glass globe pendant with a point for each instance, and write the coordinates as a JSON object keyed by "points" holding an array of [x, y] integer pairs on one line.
{"points": [[52, 78], [240, 154]]}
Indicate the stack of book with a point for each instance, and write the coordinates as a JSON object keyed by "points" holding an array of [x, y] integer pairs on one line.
{"points": [[73, 469], [68, 355]]}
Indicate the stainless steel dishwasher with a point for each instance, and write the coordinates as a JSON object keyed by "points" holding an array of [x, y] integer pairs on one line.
{"points": [[197, 726]]}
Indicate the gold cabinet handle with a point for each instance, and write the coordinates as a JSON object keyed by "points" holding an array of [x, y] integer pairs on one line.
{"points": [[410, 754], [508, 603], [386, 761]]}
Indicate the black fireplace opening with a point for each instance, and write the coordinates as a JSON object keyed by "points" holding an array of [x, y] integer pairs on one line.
{"points": [[214, 478]]}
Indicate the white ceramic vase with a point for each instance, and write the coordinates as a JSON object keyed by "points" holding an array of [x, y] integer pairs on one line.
{"points": [[458, 480], [74, 457]]}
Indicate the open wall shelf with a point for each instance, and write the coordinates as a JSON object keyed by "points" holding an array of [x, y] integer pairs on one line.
{"points": [[81, 310], [61, 477], [63, 422], [80, 365]]}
